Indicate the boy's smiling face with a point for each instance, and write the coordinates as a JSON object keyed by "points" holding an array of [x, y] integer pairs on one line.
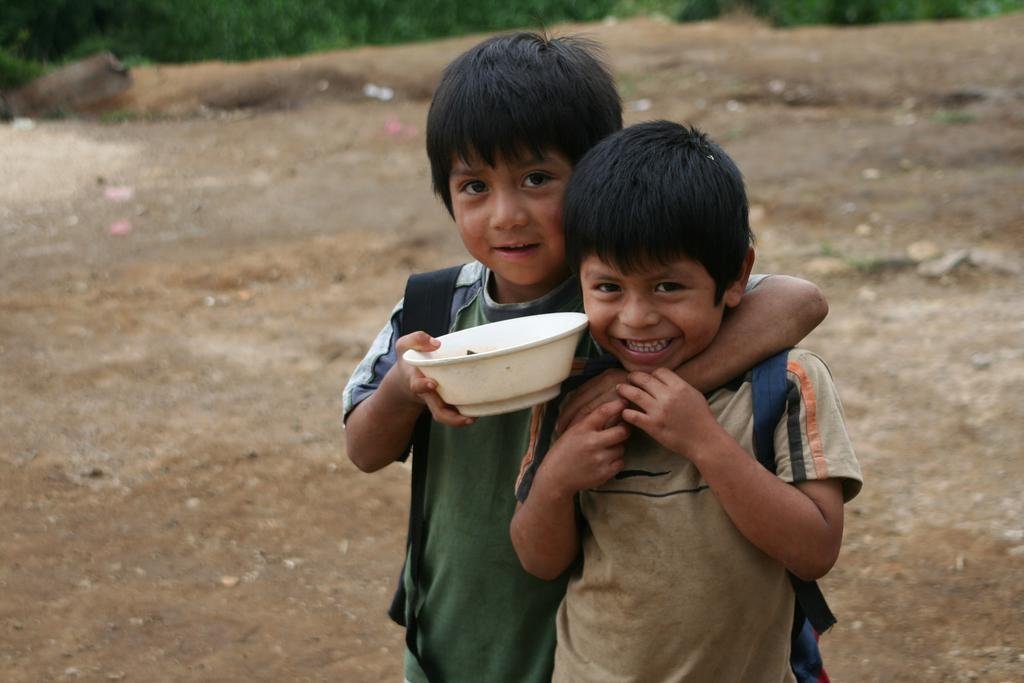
{"points": [[510, 218], [658, 317]]}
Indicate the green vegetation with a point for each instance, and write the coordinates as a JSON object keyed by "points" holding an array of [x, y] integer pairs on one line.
{"points": [[34, 34], [842, 12]]}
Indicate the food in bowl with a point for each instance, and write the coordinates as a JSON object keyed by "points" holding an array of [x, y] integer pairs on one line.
{"points": [[503, 366]]}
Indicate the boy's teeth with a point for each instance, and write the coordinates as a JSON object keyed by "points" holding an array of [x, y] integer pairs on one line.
{"points": [[646, 346]]}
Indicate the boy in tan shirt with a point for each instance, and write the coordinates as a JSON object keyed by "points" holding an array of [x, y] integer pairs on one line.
{"points": [[685, 538]]}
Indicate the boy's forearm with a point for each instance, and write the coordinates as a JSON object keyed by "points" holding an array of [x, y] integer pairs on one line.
{"points": [[800, 527], [544, 534], [378, 430], [776, 314]]}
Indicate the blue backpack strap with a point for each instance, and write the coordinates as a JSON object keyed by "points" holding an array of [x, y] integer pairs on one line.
{"points": [[770, 387], [771, 396], [427, 306]]}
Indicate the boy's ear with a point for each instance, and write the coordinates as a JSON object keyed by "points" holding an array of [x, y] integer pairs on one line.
{"points": [[734, 292]]}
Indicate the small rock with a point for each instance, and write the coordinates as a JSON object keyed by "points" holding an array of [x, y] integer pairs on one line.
{"points": [[923, 250], [776, 86], [136, 621], [229, 581], [193, 503], [857, 625], [757, 214], [734, 106], [72, 672], [642, 104], [864, 229], [22, 123], [115, 676], [943, 266], [292, 562], [867, 294], [871, 174], [981, 361], [960, 563], [1017, 551], [995, 261], [828, 265]]}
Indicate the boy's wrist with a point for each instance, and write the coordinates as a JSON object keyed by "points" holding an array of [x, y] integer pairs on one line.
{"points": [[549, 489], [713, 450], [396, 389]]}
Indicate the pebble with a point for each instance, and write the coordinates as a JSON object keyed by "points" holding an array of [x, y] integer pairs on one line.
{"points": [[229, 581], [942, 266], [193, 503], [871, 174], [981, 361], [864, 229], [994, 261], [757, 214], [923, 250], [828, 265]]}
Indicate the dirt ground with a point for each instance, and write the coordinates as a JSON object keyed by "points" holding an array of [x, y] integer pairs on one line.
{"points": [[184, 294]]}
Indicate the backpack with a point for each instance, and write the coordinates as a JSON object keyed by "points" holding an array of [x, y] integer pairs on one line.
{"points": [[812, 616], [427, 306]]}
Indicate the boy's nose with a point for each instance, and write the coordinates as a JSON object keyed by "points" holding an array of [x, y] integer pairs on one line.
{"points": [[508, 211], [637, 313]]}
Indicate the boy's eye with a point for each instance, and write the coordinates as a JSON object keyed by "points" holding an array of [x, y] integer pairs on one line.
{"points": [[606, 287], [474, 187], [536, 179], [667, 287]]}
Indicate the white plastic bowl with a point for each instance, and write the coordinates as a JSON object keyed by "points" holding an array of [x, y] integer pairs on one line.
{"points": [[504, 366]]}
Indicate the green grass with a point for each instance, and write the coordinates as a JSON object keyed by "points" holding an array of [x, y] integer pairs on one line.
{"points": [[953, 116]]}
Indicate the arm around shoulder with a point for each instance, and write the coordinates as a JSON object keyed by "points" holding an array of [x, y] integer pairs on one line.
{"points": [[775, 314]]}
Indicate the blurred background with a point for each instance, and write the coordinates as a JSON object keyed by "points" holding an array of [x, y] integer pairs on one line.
{"points": [[208, 210]]}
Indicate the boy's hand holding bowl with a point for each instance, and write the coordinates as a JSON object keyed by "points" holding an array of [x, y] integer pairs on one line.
{"points": [[504, 366]]}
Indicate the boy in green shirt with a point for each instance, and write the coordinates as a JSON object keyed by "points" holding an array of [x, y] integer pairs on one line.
{"points": [[509, 120]]}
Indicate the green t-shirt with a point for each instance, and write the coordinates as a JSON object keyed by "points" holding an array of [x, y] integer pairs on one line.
{"points": [[482, 617]]}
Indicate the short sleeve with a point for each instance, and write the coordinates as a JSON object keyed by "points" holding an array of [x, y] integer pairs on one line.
{"points": [[755, 279], [381, 356], [811, 441]]}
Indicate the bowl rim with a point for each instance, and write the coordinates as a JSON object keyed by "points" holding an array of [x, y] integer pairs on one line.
{"points": [[421, 362]]}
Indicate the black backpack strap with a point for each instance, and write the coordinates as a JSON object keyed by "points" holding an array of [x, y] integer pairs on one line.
{"points": [[770, 387], [427, 306]]}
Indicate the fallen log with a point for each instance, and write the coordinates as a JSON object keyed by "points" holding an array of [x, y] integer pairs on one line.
{"points": [[72, 89]]}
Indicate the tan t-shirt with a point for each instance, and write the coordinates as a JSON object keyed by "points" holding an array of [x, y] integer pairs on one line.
{"points": [[670, 590]]}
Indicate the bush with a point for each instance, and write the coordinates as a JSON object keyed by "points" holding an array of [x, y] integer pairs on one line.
{"points": [[189, 30], [15, 71], [797, 12]]}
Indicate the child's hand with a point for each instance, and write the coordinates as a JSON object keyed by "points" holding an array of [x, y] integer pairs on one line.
{"points": [[671, 411], [588, 454], [593, 394], [421, 388]]}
